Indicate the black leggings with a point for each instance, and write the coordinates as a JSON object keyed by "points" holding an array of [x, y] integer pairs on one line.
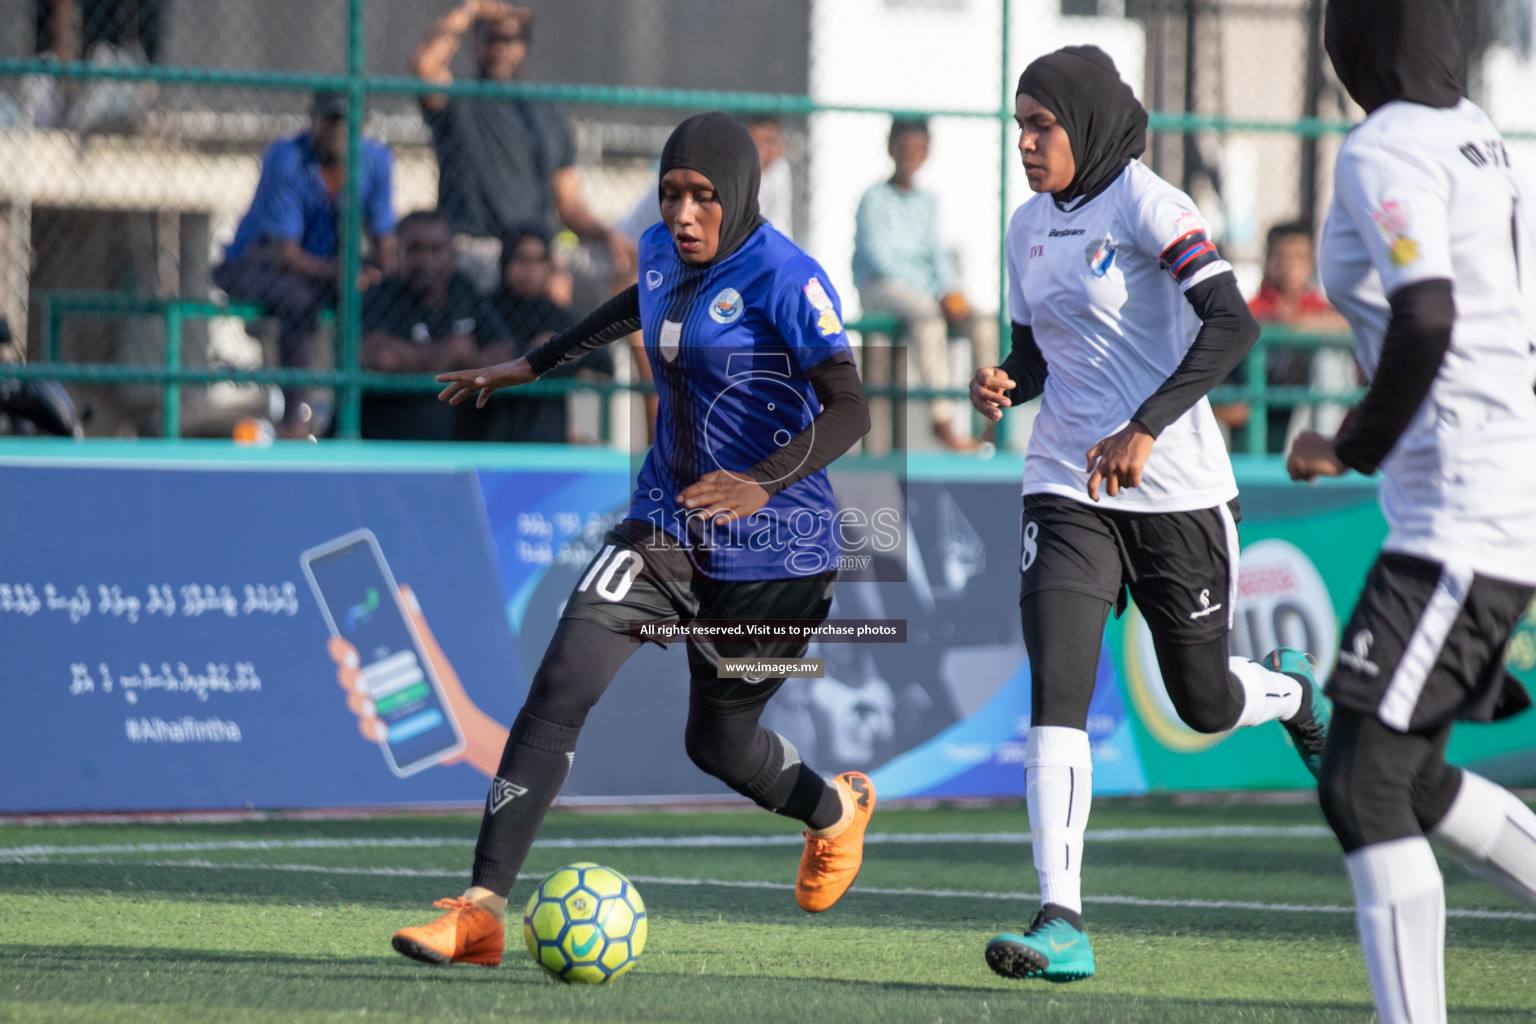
{"points": [[723, 739], [1064, 632], [1377, 785]]}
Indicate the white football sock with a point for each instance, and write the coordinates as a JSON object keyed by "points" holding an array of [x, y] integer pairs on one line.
{"points": [[1493, 833], [1266, 695], [1058, 786], [1400, 915]]}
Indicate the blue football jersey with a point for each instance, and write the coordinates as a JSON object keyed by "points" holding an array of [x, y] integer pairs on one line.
{"points": [[729, 346]]}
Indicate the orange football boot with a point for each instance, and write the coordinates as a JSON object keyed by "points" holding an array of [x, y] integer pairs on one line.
{"points": [[464, 935], [831, 863]]}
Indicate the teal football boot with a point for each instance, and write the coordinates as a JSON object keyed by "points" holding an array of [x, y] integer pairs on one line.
{"points": [[1309, 726], [1052, 950]]}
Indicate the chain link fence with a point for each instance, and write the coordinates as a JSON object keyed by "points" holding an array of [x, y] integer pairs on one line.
{"points": [[133, 135]]}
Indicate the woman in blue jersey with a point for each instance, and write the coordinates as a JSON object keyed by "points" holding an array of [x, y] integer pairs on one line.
{"points": [[1124, 317], [732, 519]]}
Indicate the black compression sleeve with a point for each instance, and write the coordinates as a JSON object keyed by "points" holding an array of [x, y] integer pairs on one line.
{"points": [[1417, 338], [1227, 332], [844, 418], [612, 320], [1025, 365]]}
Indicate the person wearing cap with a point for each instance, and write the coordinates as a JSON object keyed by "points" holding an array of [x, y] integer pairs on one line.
{"points": [[501, 162], [285, 253]]}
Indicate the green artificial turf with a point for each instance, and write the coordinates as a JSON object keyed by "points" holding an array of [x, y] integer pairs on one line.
{"points": [[282, 921]]}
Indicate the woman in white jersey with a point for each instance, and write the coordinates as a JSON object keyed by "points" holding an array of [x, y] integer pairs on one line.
{"points": [[1423, 251], [1124, 317]]}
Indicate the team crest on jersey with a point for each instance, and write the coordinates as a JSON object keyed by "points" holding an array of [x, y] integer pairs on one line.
{"points": [[726, 307], [670, 340], [1101, 255], [826, 314], [653, 279]]}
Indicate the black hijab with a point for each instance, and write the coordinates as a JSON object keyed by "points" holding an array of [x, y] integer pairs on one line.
{"points": [[1104, 122], [1385, 50], [719, 147]]}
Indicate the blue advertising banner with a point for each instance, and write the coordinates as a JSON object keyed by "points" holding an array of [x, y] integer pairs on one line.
{"points": [[177, 628], [164, 649], [178, 621]]}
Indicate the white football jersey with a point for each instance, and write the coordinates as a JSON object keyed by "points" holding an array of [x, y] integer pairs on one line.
{"points": [[1102, 286], [1422, 193]]}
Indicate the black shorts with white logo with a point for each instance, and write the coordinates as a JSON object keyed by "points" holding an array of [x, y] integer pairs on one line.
{"points": [[642, 575], [1177, 566], [1425, 646]]}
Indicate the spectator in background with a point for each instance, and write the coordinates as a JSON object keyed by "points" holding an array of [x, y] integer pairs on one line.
{"points": [[120, 23], [901, 267], [284, 253], [429, 319], [534, 304], [776, 194], [1289, 295], [501, 162]]}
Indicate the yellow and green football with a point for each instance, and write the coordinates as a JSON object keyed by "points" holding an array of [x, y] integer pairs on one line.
{"points": [[586, 923]]}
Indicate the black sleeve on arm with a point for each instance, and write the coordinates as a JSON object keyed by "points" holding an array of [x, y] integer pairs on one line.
{"points": [[1227, 332], [844, 418], [1025, 366], [612, 320], [1417, 338]]}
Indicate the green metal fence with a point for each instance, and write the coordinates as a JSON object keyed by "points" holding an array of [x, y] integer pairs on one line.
{"points": [[351, 382]]}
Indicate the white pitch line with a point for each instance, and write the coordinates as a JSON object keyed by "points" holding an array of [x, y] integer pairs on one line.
{"points": [[1107, 835], [720, 883]]}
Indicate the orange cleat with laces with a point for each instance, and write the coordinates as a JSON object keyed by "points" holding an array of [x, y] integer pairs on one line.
{"points": [[831, 862], [465, 935]]}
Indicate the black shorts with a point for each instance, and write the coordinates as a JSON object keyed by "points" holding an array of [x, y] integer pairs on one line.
{"points": [[1177, 566], [1425, 646], [642, 575]]}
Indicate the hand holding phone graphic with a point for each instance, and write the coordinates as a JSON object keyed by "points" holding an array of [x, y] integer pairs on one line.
{"points": [[392, 673]]}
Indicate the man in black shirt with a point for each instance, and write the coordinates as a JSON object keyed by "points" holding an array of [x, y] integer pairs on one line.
{"points": [[501, 162], [429, 319]]}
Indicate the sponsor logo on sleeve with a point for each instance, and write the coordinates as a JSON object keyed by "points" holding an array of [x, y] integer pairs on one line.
{"points": [[826, 315], [653, 279], [1393, 221]]}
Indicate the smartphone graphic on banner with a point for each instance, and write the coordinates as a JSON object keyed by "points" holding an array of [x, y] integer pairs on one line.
{"points": [[361, 603]]}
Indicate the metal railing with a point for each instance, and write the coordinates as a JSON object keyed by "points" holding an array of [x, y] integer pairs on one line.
{"points": [[351, 381]]}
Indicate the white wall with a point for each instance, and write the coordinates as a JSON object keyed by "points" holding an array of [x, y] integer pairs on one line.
{"points": [[910, 54], [1510, 84]]}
